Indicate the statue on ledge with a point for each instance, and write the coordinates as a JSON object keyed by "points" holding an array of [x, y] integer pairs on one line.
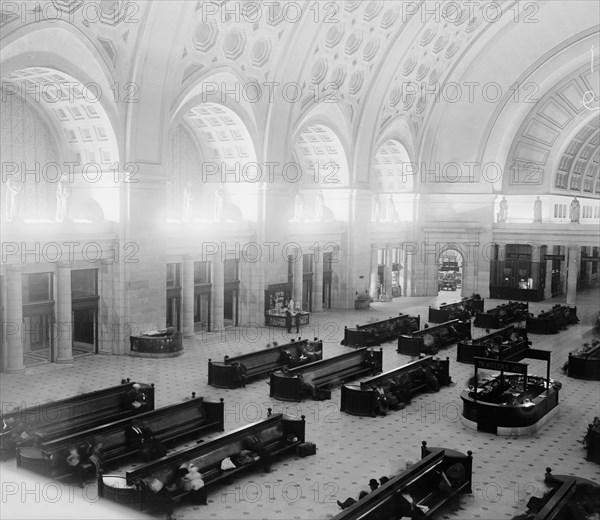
{"points": [[63, 198], [298, 206], [392, 214], [219, 203], [575, 211], [13, 191], [320, 208], [503, 213], [186, 212], [376, 208], [537, 210]]}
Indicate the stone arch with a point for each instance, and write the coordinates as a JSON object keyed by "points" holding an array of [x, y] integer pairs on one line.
{"points": [[318, 171], [73, 137], [219, 140]]}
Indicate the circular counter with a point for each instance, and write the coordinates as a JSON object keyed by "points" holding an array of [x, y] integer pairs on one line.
{"points": [[509, 419], [163, 346]]}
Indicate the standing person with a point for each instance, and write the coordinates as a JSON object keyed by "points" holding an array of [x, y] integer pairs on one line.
{"points": [[288, 320]]}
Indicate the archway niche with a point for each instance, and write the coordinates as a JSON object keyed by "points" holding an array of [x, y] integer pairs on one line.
{"points": [[54, 127], [212, 160]]}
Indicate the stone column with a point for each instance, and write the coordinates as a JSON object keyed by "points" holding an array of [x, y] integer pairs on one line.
{"points": [[107, 327], [317, 304], [14, 320], [298, 276], [64, 314], [387, 277], [374, 266], [218, 293], [548, 286], [187, 296], [588, 266], [573, 265]]}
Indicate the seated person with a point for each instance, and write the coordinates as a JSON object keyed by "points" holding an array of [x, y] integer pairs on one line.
{"points": [[452, 478], [140, 436], [287, 358], [135, 399], [392, 401], [255, 445], [239, 373], [406, 507], [349, 501], [189, 479], [430, 379], [381, 405], [90, 454], [307, 387]]}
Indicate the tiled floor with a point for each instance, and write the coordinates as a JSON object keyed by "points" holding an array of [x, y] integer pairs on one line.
{"points": [[351, 450]]}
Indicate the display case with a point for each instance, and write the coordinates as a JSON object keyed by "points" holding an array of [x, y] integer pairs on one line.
{"points": [[277, 300]]}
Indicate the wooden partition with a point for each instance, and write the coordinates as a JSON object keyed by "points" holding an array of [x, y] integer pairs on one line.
{"points": [[432, 339], [378, 332]]}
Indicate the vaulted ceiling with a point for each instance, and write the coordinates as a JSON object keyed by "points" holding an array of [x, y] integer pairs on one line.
{"points": [[361, 69]]}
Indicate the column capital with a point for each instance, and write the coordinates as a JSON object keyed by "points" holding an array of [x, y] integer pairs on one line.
{"points": [[64, 265], [107, 261], [15, 267]]}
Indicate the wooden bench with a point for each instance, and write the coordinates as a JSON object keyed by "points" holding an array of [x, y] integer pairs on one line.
{"points": [[585, 363], [73, 414], [275, 432], [421, 481], [567, 491], [234, 372], [502, 315], [287, 385], [462, 310], [558, 318], [432, 339], [494, 345], [593, 444], [169, 424], [362, 400], [376, 333]]}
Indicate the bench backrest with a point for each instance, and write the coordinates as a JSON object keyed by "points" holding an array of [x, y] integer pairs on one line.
{"points": [[90, 404], [266, 356], [113, 434], [557, 502], [397, 372], [212, 452], [319, 369], [382, 503]]}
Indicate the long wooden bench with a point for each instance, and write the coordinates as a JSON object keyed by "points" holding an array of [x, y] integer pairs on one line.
{"points": [[234, 372], [279, 434], [73, 414], [593, 444], [502, 315], [169, 424], [290, 385], [378, 332], [432, 339], [361, 399], [462, 310], [569, 498], [494, 345], [421, 481], [551, 322], [585, 363]]}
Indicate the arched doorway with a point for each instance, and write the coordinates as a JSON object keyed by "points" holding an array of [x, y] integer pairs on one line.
{"points": [[450, 271]]}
